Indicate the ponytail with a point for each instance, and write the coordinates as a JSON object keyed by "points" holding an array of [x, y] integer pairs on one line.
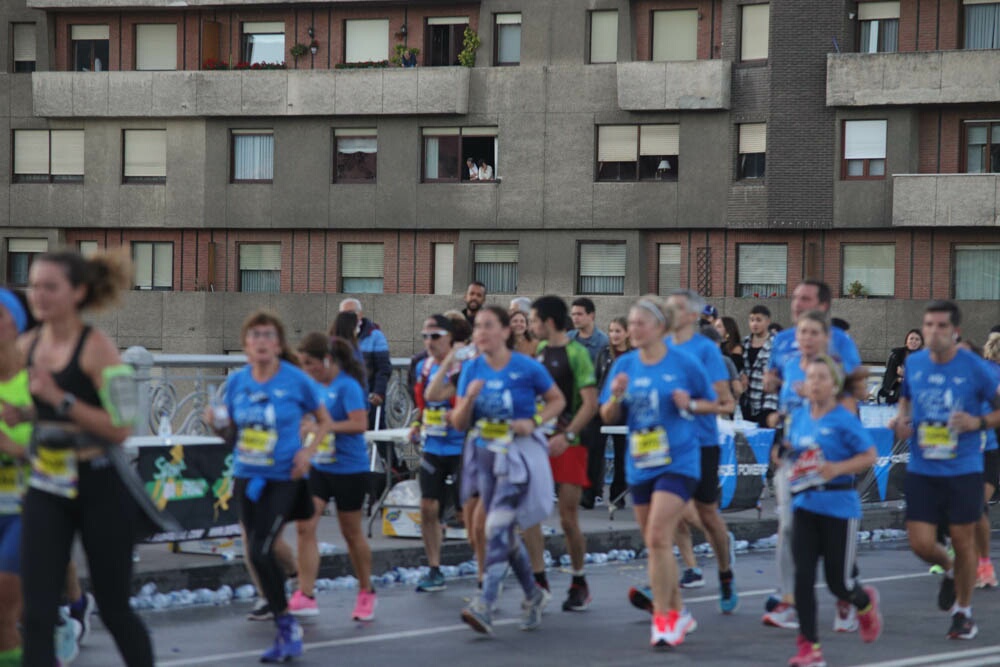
{"points": [[105, 274], [343, 356]]}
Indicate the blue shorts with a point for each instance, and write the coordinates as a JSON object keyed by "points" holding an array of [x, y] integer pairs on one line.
{"points": [[954, 500], [679, 485], [10, 543]]}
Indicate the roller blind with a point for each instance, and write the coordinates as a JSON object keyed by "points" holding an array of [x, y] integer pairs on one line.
{"points": [[146, 153], [675, 35], [27, 245], [366, 39], [79, 32], [263, 27], [763, 264], [864, 139], [260, 256], [979, 2], [496, 252], [156, 47], [87, 248], [604, 37], [508, 19], [24, 42], [669, 267], [753, 138], [356, 132], [479, 131], [602, 259], [31, 151], [444, 267], [659, 139], [441, 131], [362, 260], [163, 264], [874, 11], [754, 32], [617, 143], [67, 152], [448, 20], [874, 266]]}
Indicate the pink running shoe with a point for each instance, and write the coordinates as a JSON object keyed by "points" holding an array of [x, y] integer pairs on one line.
{"points": [[303, 605], [364, 608]]}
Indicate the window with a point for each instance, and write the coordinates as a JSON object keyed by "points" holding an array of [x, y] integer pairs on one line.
{"points": [[675, 35], [20, 254], [253, 156], [23, 39], [154, 265], [982, 154], [444, 268], [145, 156], [156, 47], [260, 267], [263, 42], [638, 152], [755, 23], [864, 149], [495, 265], [879, 27], [48, 156], [982, 24], [977, 272], [448, 150], [602, 268], [604, 36], [366, 40], [753, 150], [90, 44], [445, 40], [669, 274], [874, 266], [762, 270], [87, 249], [507, 39], [355, 155], [362, 268]]}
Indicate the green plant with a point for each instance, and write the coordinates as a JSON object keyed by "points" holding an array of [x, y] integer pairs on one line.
{"points": [[470, 44], [856, 289], [401, 51], [299, 50]]}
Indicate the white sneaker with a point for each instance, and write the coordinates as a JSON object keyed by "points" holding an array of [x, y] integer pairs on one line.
{"points": [[783, 616], [67, 631], [846, 618]]}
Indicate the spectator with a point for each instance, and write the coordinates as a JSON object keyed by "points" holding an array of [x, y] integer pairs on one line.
{"points": [[709, 314], [375, 351], [754, 403], [583, 313], [475, 297], [731, 347], [893, 378], [470, 164], [345, 326], [485, 171], [774, 328], [618, 344], [520, 303], [521, 339], [711, 332]]}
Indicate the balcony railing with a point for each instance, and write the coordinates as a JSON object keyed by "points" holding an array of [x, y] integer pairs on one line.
{"points": [[946, 200], [690, 84]]}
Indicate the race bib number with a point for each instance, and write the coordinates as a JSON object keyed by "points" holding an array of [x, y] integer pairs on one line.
{"points": [[435, 422], [937, 441], [256, 446], [496, 436], [805, 470], [650, 448], [326, 451], [54, 471], [11, 488]]}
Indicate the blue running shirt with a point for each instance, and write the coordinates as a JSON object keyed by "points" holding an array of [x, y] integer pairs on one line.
{"points": [[709, 356], [349, 453]]}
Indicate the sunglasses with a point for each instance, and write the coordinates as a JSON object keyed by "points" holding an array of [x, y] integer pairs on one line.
{"points": [[433, 335]]}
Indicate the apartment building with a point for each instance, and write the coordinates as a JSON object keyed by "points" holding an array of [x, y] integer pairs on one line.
{"points": [[268, 153]]}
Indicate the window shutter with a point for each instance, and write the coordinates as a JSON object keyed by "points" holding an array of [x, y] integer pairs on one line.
{"points": [[67, 152], [670, 267], [24, 42], [602, 259], [80, 32], [659, 139], [753, 138], [604, 37], [87, 248], [31, 152], [979, 2], [864, 139], [754, 32], [874, 11], [448, 20], [675, 35], [264, 27], [441, 131], [163, 265], [496, 253], [260, 256], [617, 143], [146, 153], [444, 267], [366, 39], [156, 47], [508, 19], [142, 257], [479, 131], [763, 264], [356, 132], [362, 260], [874, 266], [27, 245]]}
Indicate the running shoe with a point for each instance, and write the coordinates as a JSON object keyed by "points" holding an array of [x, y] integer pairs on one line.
{"points": [[364, 608], [936, 569], [578, 598], [546, 597], [531, 615], [670, 629], [260, 612], [809, 654], [692, 578], [684, 626], [783, 616], [771, 603], [846, 618], [946, 593], [83, 614], [729, 599], [986, 577], [659, 630], [962, 627], [478, 617], [67, 630], [288, 643], [641, 598], [303, 605], [870, 619], [432, 582]]}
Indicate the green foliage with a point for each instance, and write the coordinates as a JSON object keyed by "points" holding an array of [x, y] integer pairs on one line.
{"points": [[470, 44]]}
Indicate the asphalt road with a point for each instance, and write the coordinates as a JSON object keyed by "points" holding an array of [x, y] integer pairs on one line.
{"points": [[424, 629]]}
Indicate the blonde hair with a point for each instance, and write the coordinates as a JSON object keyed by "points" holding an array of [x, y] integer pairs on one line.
{"points": [[991, 349], [658, 308], [106, 274]]}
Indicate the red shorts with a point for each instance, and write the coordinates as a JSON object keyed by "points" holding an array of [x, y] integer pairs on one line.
{"points": [[570, 467]]}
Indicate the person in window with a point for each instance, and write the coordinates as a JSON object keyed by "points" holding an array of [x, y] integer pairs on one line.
{"points": [[485, 171], [893, 377], [470, 164]]}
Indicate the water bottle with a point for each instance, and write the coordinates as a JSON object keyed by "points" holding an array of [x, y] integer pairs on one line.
{"points": [[148, 590], [220, 415], [203, 596], [160, 601], [246, 592], [164, 430], [223, 595], [465, 353]]}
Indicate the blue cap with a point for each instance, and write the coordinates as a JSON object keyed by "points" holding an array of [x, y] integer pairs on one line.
{"points": [[16, 309], [710, 311]]}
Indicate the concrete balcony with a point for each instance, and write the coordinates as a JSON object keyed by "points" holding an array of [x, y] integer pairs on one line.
{"points": [[367, 92], [946, 200], [681, 85], [934, 77]]}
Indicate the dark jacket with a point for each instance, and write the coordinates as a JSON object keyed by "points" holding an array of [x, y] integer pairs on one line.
{"points": [[889, 392], [375, 350]]}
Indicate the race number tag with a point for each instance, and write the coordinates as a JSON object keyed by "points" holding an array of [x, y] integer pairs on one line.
{"points": [[256, 446], [326, 451], [805, 470], [11, 488], [937, 441], [54, 471], [435, 422], [496, 436], [650, 448]]}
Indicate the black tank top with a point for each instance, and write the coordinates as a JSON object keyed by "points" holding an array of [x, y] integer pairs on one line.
{"points": [[71, 378]]}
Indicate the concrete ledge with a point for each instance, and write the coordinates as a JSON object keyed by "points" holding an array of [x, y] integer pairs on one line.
{"points": [[692, 84], [946, 200]]}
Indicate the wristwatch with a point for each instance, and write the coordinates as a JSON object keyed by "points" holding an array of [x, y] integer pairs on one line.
{"points": [[570, 436], [66, 404]]}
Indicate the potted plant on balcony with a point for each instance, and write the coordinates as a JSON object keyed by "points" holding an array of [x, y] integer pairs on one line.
{"points": [[298, 50], [405, 56], [856, 290], [470, 44]]}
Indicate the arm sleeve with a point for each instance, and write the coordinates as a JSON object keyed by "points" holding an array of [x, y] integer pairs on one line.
{"points": [[311, 397], [464, 378], [381, 362], [583, 367], [353, 397]]}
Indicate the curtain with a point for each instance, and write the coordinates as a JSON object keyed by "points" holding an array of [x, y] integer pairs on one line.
{"points": [[499, 278], [977, 272], [982, 26], [890, 36], [260, 281], [254, 157], [509, 43]]}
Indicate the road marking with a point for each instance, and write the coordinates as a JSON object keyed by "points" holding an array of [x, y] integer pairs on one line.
{"points": [[935, 659], [770, 591]]}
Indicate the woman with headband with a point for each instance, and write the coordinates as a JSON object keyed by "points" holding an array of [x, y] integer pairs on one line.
{"points": [[655, 391], [828, 447]]}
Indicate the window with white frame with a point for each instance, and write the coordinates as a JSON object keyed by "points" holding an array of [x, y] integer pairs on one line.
{"points": [[977, 272], [507, 39], [982, 24], [366, 40], [20, 254], [48, 156], [362, 268], [879, 23], [263, 42], [253, 156], [761, 269], [675, 34], [864, 148], [873, 266], [145, 156], [604, 36], [87, 249], [23, 39], [154, 265], [755, 23], [90, 47], [355, 155], [638, 152], [156, 46], [444, 268], [752, 158], [602, 268], [260, 267], [495, 265], [669, 268], [982, 149], [453, 154]]}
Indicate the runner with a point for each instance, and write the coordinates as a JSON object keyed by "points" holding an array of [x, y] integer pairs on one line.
{"points": [[85, 402], [340, 471], [985, 574], [497, 392], [828, 447], [266, 401], [569, 364], [941, 414], [653, 388]]}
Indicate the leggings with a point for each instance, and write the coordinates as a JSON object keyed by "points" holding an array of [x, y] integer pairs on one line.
{"points": [[104, 514], [835, 540]]}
